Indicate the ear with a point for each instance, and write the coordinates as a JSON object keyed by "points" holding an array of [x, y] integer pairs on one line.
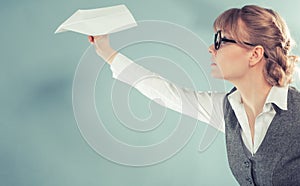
{"points": [[256, 55]]}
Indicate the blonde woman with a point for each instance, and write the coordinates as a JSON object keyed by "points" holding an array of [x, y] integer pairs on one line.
{"points": [[261, 114]]}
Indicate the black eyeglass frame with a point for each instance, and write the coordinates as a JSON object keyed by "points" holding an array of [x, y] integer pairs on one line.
{"points": [[219, 39]]}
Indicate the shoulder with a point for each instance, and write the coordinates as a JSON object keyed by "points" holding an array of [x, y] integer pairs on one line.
{"points": [[293, 99], [226, 104], [293, 92]]}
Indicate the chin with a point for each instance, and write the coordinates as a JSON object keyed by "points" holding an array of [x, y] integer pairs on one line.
{"points": [[216, 75]]}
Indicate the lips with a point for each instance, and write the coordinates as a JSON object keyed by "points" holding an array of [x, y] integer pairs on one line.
{"points": [[213, 62]]}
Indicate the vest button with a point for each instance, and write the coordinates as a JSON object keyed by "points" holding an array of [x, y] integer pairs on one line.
{"points": [[249, 180], [247, 164]]}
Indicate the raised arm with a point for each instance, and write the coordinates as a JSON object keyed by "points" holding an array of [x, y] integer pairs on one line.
{"points": [[204, 106]]}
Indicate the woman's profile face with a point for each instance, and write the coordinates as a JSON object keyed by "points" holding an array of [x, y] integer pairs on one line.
{"points": [[230, 61]]}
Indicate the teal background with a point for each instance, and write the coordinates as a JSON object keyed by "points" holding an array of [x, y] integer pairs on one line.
{"points": [[40, 143]]}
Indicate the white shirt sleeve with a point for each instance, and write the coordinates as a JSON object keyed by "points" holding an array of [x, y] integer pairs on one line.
{"points": [[204, 106]]}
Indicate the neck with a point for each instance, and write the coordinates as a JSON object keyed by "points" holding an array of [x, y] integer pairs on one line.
{"points": [[254, 91]]}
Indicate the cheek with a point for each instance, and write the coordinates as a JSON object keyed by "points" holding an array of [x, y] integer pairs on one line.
{"points": [[232, 63]]}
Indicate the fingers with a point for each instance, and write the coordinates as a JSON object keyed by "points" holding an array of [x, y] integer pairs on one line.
{"points": [[91, 39], [100, 37]]}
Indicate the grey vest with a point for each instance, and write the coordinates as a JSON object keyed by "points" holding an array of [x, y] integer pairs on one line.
{"points": [[277, 161]]}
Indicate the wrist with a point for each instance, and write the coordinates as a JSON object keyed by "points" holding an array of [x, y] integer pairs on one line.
{"points": [[111, 57], [107, 55]]}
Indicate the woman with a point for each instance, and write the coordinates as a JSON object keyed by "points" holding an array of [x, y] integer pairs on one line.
{"points": [[260, 115]]}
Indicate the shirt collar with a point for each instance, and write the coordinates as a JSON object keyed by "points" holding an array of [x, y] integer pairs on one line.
{"points": [[235, 97], [277, 95]]}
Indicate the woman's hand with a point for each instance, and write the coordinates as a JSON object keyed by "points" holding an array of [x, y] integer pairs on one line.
{"points": [[103, 48]]}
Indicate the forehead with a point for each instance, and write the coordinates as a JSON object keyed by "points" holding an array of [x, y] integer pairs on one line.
{"points": [[223, 33], [235, 29]]}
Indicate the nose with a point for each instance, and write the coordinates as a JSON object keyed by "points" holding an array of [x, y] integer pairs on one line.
{"points": [[212, 50]]}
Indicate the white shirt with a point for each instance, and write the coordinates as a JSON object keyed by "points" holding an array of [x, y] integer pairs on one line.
{"points": [[204, 106]]}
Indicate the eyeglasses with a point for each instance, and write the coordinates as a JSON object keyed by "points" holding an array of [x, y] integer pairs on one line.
{"points": [[219, 39]]}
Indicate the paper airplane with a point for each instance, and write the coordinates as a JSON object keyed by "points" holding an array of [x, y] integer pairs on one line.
{"points": [[99, 21]]}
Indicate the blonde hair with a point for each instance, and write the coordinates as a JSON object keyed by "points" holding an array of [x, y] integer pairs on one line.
{"points": [[265, 27]]}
